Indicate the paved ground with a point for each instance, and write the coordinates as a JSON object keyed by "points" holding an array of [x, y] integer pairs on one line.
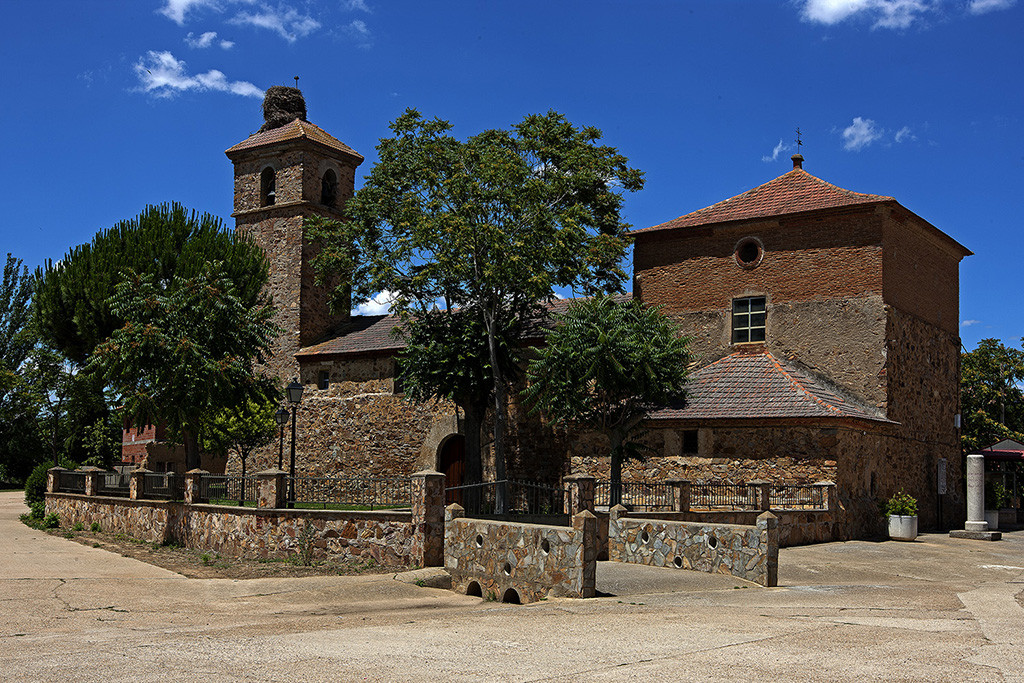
{"points": [[934, 610]]}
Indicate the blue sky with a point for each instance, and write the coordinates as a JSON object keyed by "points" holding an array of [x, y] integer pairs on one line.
{"points": [[111, 105]]}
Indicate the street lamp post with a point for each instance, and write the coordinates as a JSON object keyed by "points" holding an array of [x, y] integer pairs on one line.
{"points": [[294, 396], [281, 416]]}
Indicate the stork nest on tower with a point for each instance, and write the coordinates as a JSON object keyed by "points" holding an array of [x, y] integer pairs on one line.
{"points": [[282, 105]]}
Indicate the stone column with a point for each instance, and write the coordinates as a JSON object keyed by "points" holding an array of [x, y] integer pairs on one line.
{"points": [[273, 487], [976, 493], [680, 494], [829, 498], [192, 489], [585, 523], [53, 479], [579, 494], [614, 536], [768, 527], [428, 516], [451, 513], [92, 480], [136, 485], [762, 491]]}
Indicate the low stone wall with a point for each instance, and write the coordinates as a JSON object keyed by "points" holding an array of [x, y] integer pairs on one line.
{"points": [[747, 552], [385, 537], [515, 562], [796, 527]]}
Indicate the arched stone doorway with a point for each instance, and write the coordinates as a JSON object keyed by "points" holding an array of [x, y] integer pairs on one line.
{"points": [[451, 461]]}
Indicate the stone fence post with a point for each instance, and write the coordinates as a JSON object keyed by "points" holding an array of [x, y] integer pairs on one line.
{"points": [[92, 479], [586, 524], [580, 491], [53, 479], [762, 491], [768, 527], [428, 517], [273, 488], [828, 494], [137, 484], [192, 489], [615, 543], [680, 491]]}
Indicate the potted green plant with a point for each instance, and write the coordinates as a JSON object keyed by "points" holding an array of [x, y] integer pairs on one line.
{"points": [[902, 512], [995, 499]]}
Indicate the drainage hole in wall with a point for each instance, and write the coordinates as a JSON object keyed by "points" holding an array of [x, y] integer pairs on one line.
{"points": [[474, 589], [545, 546], [678, 562], [507, 569], [645, 537], [511, 596], [712, 542], [479, 541]]}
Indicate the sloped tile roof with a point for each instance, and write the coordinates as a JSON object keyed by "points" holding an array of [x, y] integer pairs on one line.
{"points": [[792, 192], [754, 385], [373, 333], [297, 129], [361, 334]]}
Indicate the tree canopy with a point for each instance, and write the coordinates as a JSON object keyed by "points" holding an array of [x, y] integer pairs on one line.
{"points": [[185, 350], [72, 299], [604, 367], [491, 225], [991, 399], [240, 429]]}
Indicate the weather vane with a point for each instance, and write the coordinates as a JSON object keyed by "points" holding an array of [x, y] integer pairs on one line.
{"points": [[297, 85], [799, 142]]}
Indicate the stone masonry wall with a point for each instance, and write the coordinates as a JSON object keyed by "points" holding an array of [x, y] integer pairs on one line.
{"points": [[385, 537], [747, 552], [533, 560]]}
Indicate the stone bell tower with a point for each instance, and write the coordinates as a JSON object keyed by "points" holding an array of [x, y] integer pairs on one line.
{"points": [[287, 171]]}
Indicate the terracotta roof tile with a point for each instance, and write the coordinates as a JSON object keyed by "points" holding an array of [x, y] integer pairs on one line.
{"points": [[756, 385], [362, 334], [792, 192], [297, 129]]}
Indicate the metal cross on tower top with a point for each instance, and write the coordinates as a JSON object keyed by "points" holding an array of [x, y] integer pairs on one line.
{"points": [[297, 85]]}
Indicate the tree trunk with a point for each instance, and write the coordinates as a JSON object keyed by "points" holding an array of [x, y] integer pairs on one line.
{"points": [[501, 488], [191, 438], [616, 466]]}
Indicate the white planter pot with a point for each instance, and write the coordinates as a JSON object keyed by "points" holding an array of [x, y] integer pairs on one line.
{"points": [[992, 517], [903, 527]]}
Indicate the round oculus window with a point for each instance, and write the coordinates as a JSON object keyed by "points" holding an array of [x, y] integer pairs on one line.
{"points": [[748, 252]]}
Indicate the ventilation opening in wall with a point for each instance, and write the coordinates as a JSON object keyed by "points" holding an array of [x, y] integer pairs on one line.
{"points": [[511, 596], [323, 379], [712, 542], [678, 562], [474, 589], [545, 546], [749, 252]]}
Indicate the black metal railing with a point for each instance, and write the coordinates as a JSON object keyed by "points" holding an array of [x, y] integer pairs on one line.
{"points": [[170, 486], [224, 489], [794, 497], [521, 498], [724, 497], [71, 482], [639, 496], [114, 484], [365, 493]]}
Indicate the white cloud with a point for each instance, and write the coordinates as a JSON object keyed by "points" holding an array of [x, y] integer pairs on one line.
{"points": [[779, 149], [904, 133], [358, 31], [884, 13], [175, 10], [985, 6], [203, 41], [357, 6], [860, 134], [162, 75], [378, 305], [287, 23], [968, 323], [227, 44]]}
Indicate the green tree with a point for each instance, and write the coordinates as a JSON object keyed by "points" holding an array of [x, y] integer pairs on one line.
{"points": [[991, 400], [491, 225], [604, 367], [20, 447], [240, 429], [72, 301], [186, 350], [447, 357]]}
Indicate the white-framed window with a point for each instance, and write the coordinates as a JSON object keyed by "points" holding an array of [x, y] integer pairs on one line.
{"points": [[748, 318]]}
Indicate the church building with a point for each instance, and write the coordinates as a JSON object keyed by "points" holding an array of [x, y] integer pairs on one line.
{"points": [[823, 327]]}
